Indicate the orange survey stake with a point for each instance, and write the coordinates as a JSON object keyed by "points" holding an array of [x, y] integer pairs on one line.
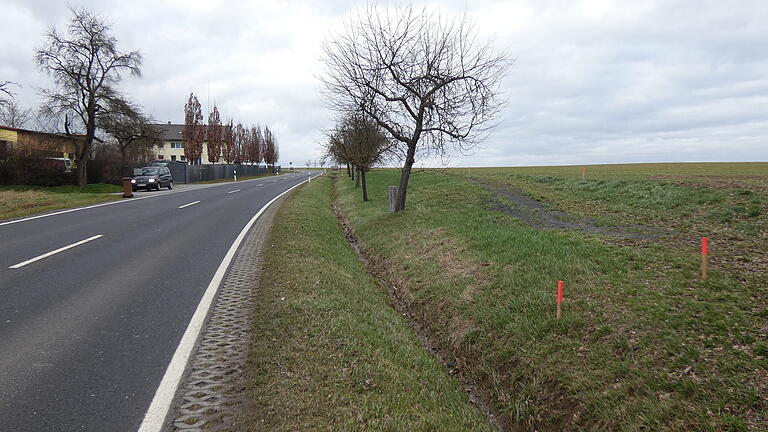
{"points": [[704, 252], [559, 298]]}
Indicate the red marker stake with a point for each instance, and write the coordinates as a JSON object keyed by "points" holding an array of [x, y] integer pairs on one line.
{"points": [[582, 172], [704, 251], [559, 298]]}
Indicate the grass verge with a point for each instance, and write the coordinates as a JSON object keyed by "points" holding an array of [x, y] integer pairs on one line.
{"points": [[643, 343], [20, 201], [328, 351]]}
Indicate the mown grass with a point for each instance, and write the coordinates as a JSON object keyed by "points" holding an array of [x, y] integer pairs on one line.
{"points": [[328, 352], [20, 201], [643, 343]]}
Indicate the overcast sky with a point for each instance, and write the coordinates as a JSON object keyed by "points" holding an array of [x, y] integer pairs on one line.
{"points": [[593, 81]]}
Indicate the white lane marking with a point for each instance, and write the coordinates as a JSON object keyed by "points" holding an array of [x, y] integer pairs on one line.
{"points": [[234, 191], [54, 252], [154, 419], [260, 184], [187, 205]]}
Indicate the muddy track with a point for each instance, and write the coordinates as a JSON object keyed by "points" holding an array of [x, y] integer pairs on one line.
{"points": [[535, 214]]}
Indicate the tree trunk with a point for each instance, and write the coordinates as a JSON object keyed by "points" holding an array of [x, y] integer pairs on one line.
{"points": [[349, 173], [352, 172], [124, 162], [82, 172], [85, 152], [357, 178], [365, 188], [404, 176]]}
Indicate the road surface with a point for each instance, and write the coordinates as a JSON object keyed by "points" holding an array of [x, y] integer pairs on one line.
{"points": [[94, 302]]}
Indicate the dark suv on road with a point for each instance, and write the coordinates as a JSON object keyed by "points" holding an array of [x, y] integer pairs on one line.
{"points": [[152, 177]]}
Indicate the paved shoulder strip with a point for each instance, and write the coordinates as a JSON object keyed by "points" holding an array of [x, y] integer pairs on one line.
{"points": [[158, 409], [209, 395]]}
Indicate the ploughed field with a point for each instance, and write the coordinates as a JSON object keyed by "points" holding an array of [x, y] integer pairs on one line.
{"points": [[643, 343]]}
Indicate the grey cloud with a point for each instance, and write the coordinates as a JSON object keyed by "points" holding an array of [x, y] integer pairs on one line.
{"points": [[594, 81]]}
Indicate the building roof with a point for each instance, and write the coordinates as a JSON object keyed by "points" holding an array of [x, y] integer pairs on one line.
{"points": [[57, 135], [170, 132]]}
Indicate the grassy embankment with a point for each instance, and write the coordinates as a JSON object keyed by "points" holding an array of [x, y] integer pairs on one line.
{"points": [[19, 201], [643, 344], [328, 352]]}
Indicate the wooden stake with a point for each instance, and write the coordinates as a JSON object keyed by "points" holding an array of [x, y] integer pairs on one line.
{"points": [[704, 253], [559, 298]]}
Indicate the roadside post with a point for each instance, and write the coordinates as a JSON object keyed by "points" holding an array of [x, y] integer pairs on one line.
{"points": [[235, 174], [704, 253], [127, 187], [559, 298], [582, 172], [392, 195]]}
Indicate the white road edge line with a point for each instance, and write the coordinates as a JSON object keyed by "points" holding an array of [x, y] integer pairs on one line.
{"points": [[187, 205], [234, 191], [154, 419], [54, 252], [109, 203], [74, 209]]}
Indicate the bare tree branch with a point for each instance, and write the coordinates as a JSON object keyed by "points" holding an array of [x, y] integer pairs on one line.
{"points": [[423, 78], [86, 67]]}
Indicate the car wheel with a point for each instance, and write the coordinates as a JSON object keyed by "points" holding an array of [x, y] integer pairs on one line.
{"points": [[170, 185], [135, 189]]}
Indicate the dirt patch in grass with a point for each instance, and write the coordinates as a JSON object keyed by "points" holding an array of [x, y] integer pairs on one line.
{"points": [[537, 215]]}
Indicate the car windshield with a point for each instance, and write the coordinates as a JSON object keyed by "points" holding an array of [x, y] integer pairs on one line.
{"points": [[150, 171]]}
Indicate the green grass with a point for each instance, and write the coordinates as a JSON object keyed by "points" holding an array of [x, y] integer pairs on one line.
{"points": [[20, 201], [328, 352], [643, 343]]}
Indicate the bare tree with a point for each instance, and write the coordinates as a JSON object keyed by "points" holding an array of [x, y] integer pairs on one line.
{"points": [[86, 68], [271, 151], [423, 78], [228, 143], [214, 135], [193, 133], [133, 131], [255, 144], [362, 142], [239, 138], [11, 114]]}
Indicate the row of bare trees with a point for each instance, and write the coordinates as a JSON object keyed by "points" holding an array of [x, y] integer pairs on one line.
{"points": [[424, 79], [234, 143], [359, 143]]}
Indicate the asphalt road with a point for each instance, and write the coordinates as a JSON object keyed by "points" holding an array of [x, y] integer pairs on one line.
{"points": [[87, 333]]}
